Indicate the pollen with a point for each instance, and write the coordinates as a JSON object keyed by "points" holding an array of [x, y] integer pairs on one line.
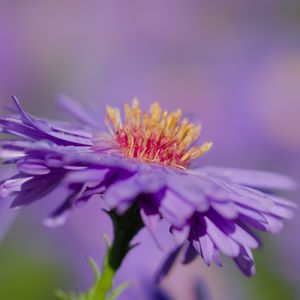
{"points": [[155, 137]]}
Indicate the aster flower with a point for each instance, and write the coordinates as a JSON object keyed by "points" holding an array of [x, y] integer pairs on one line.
{"points": [[145, 163]]}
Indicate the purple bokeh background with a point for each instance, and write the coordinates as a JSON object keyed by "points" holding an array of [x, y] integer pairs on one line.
{"points": [[233, 65]]}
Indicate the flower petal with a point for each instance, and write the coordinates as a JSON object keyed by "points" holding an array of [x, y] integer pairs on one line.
{"points": [[175, 209], [245, 261], [221, 240], [189, 188], [257, 179], [77, 111], [207, 249], [168, 264]]}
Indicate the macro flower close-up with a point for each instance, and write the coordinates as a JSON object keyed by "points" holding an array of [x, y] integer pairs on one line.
{"points": [[149, 151], [149, 165]]}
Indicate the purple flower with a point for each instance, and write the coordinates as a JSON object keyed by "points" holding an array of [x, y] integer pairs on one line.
{"points": [[145, 161]]}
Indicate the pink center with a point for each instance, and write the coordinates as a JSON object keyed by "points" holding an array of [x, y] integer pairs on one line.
{"points": [[161, 149]]}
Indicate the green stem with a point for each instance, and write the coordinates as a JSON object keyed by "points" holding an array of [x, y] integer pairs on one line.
{"points": [[126, 226]]}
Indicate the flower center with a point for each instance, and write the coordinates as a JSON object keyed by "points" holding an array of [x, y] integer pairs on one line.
{"points": [[157, 136]]}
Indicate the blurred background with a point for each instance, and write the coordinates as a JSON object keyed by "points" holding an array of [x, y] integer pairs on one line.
{"points": [[234, 65]]}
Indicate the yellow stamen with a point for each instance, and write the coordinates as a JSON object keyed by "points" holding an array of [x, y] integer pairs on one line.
{"points": [[157, 136]]}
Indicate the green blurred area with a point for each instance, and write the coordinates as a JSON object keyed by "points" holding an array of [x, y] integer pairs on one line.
{"points": [[270, 282], [25, 273]]}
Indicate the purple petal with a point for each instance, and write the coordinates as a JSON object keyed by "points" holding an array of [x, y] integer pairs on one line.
{"points": [[150, 217], [13, 184], [59, 216], [121, 194], [282, 212], [223, 191], [221, 240], [245, 261], [216, 258], [190, 188], [174, 209], [275, 223], [284, 202], [36, 188], [168, 264], [251, 198], [257, 179], [151, 181], [180, 234], [190, 254], [244, 238], [253, 217], [207, 249], [28, 126], [12, 149], [87, 175], [77, 111], [226, 209], [33, 168], [254, 223]]}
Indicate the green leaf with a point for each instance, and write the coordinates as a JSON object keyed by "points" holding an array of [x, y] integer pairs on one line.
{"points": [[65, 296], [107, 240], [72, 296], [118, 291], [95, 268], [61, 295]]}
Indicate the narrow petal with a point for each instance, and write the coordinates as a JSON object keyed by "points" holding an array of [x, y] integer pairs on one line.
{"points": [[275, 223], [89, 175], [121, 194], [244, 238], [13, 184], [257, 179], [168, 264], [282, 212], [207, 249], [216, 258], [77, 111], [245, 261], [226, 209], [71, 200], [190, 254], [221, 240], [150, 217], [190, 188], [174, 209], [31, 127], [33, 168], [36, 188], [180, 234], [252, 217]]}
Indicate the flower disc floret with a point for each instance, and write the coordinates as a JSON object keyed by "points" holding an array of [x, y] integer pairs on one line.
{"points": [[157, 136]]}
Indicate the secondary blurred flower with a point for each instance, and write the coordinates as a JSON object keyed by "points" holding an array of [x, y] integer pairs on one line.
{"points": [[144, 162], [153, 292]]}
